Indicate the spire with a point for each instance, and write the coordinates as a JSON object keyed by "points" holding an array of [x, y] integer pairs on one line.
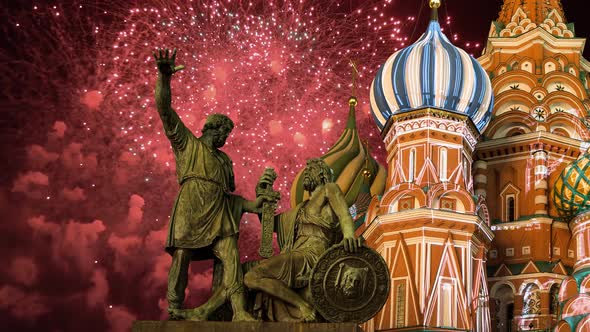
{"points": [[535, 10], [355, 171], [351, 121], [434, 4]]}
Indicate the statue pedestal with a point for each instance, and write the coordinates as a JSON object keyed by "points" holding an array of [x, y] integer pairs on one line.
{"points": [[185, 326]]}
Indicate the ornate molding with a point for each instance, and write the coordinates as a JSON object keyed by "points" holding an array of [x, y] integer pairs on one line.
{"points": [[429, 118], [520, 23]]}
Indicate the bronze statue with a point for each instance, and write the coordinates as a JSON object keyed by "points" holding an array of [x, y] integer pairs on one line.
{"points": [[304, 233], [350, 281], [206, 215], [349, 287]]}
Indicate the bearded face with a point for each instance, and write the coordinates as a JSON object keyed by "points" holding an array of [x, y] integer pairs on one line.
{"points": [[316, 173], [311, 178], [220, 136], [351, 284]]}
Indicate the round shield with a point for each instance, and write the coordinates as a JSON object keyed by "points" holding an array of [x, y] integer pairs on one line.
{"points": [[349, 287]]}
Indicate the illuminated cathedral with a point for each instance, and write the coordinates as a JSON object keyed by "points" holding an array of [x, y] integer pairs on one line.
{"points": [[482, 212]]}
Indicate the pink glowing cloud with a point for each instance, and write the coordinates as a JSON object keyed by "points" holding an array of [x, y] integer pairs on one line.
{"points": [[119, 318], [24, 271], [21, 303], [135, 214], [97, 294], [71, 243], [25, 181], [39, 157], [92, 99], [59, 129], [127, 250], [73, 158], [75, 194]]}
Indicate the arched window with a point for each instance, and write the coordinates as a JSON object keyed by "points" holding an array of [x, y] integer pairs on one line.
{"points": [[443, 164], [509, 200], [412, 165], [510, 209], [509, 316], [447, 305], [467, 171], [503, 315], [553, 295], [503, 300], [532, 300], [400, 305]]}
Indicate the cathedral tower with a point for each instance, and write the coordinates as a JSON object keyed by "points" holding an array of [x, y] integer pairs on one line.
{"points": [[431, 101], [539, 124]]}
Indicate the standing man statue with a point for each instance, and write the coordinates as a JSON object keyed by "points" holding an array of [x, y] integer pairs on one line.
{"points": [[206, 215], [304, 233]]}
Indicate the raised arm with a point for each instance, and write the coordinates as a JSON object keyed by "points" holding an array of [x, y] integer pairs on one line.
{"points": [[340, 208], [173, 127]]}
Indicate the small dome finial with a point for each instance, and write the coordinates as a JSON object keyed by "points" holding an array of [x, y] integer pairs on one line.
{"points": [[434, 4]]}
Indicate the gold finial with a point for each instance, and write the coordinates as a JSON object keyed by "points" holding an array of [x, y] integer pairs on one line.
{"points": [[355, 72], [352, 101], [434, 4]]}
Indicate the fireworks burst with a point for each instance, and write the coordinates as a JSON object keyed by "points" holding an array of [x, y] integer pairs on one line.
{"points": [[280, 70]]}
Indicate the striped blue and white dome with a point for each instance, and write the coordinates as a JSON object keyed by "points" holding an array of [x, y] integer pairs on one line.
{"points": [[432, 73]]}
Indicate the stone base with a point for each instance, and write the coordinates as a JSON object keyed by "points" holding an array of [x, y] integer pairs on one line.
{"points": [[186, 326]]}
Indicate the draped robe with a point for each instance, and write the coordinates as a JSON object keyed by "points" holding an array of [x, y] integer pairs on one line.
{"points": [[204, 209]]}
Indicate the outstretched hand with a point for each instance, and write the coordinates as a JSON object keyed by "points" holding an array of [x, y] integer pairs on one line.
{"points": [[165, 62], [270, 196], [264, 191], [352, 243]]}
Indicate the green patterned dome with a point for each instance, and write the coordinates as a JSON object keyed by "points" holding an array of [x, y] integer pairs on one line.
{"points": [[571, 192]]}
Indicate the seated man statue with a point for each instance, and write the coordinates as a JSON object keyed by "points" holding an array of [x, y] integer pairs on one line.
{"points": [[304, 233]]}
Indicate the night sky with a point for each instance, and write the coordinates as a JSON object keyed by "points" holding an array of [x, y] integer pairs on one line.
{"points": [[88, 180]]}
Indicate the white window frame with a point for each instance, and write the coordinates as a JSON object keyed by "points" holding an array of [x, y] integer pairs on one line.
{"points": [[412, 165], [526, 250], [442, 164]]}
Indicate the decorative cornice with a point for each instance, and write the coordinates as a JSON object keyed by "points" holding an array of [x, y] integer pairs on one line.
{"points": [[538, 36], [518, 44], [532, 141], [425, 213], [431, 118], [513, 225], [528, 276]]}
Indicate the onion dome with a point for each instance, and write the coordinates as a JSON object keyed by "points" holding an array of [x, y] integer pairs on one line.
{"points": [[571, 191], [355, 171], [432, 72]]}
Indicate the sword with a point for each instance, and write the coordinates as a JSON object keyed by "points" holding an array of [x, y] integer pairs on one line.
{"points": [[268, 215]]}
